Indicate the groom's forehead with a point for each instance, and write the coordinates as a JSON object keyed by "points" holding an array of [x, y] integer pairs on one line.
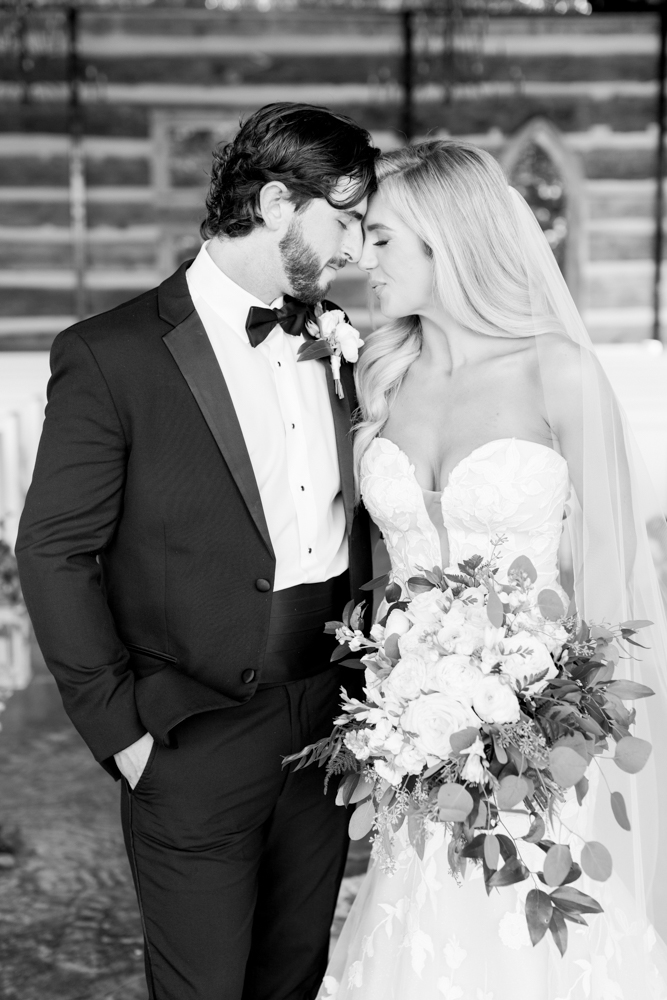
{"points": [[343, 194]]}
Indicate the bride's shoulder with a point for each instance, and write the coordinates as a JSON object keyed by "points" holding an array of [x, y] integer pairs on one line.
{"points": [[558, 358]]}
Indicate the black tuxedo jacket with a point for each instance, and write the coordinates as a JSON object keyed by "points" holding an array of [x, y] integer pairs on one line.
{"points": [[143, 549]]}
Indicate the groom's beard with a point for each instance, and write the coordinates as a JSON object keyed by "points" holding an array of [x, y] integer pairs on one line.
{"points": [[303, 267]]}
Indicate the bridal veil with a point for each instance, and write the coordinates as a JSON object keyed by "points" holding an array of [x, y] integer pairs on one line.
{"points": [[607, 543]]}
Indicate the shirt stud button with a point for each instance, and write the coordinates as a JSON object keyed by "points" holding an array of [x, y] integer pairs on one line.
{"points": [[248, 676], [263, 585]]}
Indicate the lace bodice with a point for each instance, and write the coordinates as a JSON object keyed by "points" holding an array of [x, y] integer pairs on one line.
{"points": [[508, 489]]}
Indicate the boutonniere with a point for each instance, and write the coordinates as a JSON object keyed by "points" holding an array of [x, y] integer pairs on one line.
{"points": [[332, 337]]}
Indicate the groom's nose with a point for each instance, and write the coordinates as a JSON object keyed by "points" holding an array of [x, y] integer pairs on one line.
{"points": [[354, 243]]}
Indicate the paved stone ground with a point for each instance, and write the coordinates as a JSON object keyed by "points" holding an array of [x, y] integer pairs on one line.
{"points": [[69, 927]]}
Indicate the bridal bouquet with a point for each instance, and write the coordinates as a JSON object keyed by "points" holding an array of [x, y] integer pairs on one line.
{"points": [[483, 699]]}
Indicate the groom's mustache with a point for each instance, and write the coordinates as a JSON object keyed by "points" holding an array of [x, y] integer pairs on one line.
{"points": [[337, 262]]}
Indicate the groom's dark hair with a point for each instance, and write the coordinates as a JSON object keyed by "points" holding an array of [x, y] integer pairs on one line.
{"points": [[308, 148]]}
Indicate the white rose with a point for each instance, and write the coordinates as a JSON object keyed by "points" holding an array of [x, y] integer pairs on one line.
{"points": [[495, 701], [534, 660], [349, 341], [456, 675], [329, 320], [428, 608], [407, 678], [434, 718], [398, 623]]}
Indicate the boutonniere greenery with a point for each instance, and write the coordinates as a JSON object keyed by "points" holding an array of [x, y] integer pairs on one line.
{"points": [[331, 336]]}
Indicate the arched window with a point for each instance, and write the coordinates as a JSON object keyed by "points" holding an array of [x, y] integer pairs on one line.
{"points": [[549, 176]]}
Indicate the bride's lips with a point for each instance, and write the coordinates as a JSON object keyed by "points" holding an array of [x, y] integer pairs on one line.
{"points": [[377, 287]]}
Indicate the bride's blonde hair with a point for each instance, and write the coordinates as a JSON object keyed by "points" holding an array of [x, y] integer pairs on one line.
{"points": [[455, 197]]}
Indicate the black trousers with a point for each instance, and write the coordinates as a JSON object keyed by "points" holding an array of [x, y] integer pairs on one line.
{"points": [[237, 862]]}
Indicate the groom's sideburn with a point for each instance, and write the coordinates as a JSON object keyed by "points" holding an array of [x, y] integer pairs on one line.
{"points": [[148, 573]]}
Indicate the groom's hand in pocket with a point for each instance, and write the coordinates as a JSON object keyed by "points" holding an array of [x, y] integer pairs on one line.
{"points": [[133, 759]]}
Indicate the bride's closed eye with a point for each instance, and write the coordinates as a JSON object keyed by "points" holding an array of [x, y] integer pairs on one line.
{"points": [[380, 243]]}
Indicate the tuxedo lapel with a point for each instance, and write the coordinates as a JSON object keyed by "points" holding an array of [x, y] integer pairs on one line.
{"points": [[342, 418], [194, 355]]}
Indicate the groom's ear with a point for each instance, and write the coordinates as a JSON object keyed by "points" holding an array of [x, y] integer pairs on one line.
{"points": [[275, 207]]}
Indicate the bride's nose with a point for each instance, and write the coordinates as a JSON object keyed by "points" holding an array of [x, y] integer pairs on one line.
{"points": [[368, 260]]}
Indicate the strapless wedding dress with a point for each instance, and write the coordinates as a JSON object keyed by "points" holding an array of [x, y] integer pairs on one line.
{"points": [[420, 933]]}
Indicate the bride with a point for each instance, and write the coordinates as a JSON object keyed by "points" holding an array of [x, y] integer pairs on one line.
{"points": [[486, 418]]}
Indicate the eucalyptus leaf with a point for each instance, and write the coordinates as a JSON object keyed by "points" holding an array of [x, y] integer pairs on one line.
{"points": [[356, 618], [363, 791], [339, 652], [491, 851], [463, 739], [522, 566], [640, 623], [537, 830], [512, 790], [550, 605], [566, 766], [455, 803], [619, 810], [632, 753], [495, 610], [557, 864], [417, 833], [581, 788], [393, 593], [361, 820], [596, 861]]}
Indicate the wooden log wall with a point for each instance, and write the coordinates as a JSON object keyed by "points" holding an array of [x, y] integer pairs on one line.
{"points": [[159, 86]]}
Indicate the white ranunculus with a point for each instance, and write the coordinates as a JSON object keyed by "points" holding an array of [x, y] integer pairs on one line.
{"points": [[398, 623], [407, 679], [329, 320], [433, 719], [349, 341], [533, 660], [495, 701]]}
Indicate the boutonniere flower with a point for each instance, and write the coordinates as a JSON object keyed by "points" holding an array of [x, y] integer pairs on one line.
{"points": [[332, 337]]}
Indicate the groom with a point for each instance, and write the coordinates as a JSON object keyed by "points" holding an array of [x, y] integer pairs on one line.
{"points": [[190, 527]]}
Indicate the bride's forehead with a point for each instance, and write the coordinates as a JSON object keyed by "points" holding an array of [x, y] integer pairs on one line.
{"points": [[380, 213]]}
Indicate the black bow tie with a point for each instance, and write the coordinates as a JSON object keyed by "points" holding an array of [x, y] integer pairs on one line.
{"points": [[292, 316]]}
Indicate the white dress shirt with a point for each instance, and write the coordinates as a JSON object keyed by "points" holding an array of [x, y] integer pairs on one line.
{"points": [[285, 415]]}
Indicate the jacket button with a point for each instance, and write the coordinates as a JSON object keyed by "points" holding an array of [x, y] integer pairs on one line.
{"points": [[263, 585], [248, 676]]}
